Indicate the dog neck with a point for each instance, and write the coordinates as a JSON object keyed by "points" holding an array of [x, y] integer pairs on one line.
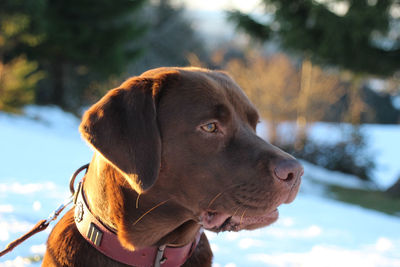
{"points": [[151, 219], [106, 241], [97, 189]]}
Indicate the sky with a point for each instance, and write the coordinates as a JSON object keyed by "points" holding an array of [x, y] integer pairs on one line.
{"points": [[340, 8], [217, 5]]}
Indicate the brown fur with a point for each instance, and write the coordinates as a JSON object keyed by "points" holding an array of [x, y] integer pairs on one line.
{"points": [[151, 154]]}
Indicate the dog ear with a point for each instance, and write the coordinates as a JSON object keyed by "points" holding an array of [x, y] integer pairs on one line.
{"points": [[123, 127]]}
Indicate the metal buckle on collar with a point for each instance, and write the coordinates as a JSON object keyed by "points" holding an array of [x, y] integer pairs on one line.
{"points": [[160, 259]]}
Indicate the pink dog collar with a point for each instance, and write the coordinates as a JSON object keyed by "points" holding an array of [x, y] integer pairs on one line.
{"points": [[106, 241]]}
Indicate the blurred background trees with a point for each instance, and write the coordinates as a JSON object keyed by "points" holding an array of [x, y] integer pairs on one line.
{"points": [[18, 74], [66, 53], [358, 38], [339, 33], [82, 41], [170, 38]]}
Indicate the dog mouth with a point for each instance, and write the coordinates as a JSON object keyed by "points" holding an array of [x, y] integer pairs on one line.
{"points": [[220, 221]]}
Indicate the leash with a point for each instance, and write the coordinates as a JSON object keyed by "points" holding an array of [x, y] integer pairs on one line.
{"points": [[43, 224]]}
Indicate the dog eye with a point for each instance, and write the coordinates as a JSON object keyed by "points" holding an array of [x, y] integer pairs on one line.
{"points": [[210, 127]]}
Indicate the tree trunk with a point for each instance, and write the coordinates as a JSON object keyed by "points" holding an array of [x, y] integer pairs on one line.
{"points": [[356, 104], [272, 132], [302, 103]]}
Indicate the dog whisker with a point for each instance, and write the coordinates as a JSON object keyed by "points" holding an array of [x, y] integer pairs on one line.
{"points": [[241, 217], [220, 194], [236, 211], [137, 201], [150, 210], [212, 201]]}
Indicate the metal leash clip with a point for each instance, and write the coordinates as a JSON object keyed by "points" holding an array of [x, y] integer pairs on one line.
{"points": [[53, 216]]}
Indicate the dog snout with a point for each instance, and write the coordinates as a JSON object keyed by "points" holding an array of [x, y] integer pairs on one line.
{"points": [[288, 170]]}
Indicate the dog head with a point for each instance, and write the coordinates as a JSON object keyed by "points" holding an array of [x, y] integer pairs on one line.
{"points": [[189, 134]]}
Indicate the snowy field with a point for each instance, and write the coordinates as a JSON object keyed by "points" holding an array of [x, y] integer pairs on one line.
{"points": [[40, 151]]}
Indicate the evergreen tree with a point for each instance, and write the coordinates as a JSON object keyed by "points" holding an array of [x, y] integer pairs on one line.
{"points": [[18, 76], [84, 40], [364, 38], [170, 40]]}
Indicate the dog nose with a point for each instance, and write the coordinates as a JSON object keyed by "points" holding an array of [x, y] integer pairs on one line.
{"points": [[288, 170]]}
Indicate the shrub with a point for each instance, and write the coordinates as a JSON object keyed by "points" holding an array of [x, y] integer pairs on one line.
{"points": [[17, 82], [348, 155]]}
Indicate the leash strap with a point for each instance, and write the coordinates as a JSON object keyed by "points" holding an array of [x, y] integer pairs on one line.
{"points": [[40, 226], [43, 224]]}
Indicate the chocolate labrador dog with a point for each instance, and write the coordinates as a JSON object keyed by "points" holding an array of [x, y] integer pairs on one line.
{"points": [[175, 152]]}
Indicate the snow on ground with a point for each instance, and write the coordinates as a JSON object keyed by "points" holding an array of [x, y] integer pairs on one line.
{"points": [[39, 153], [316, 174]]}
